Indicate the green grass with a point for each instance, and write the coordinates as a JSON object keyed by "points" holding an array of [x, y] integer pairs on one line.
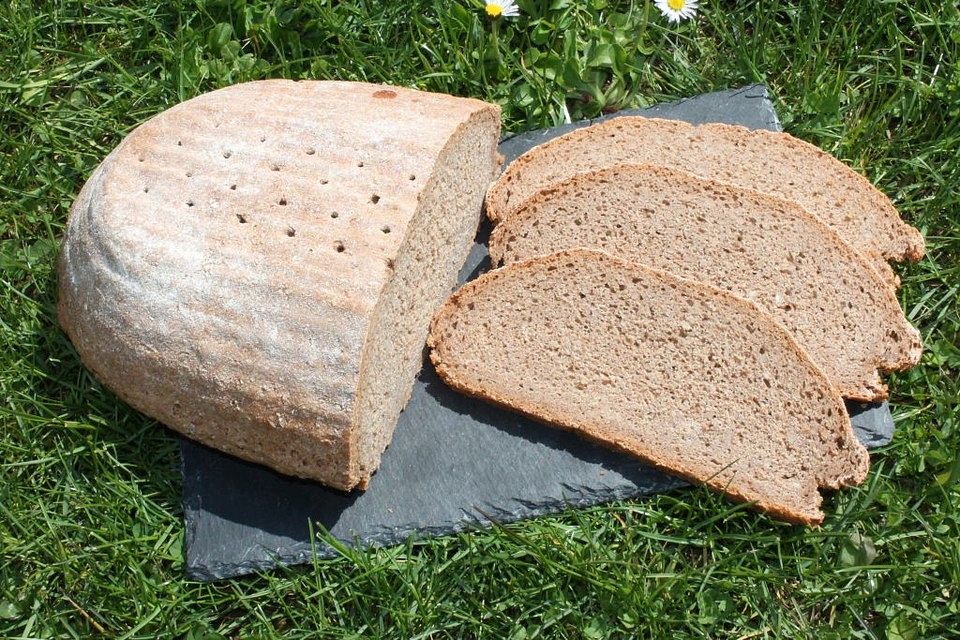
{"points": [[91, 533]]}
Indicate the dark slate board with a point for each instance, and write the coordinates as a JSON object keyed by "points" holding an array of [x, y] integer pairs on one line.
{"points": [[454, 463]]}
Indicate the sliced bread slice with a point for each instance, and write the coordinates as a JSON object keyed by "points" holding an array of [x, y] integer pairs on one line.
{"points": [[685, 376], [774, 163], [763, 248]]}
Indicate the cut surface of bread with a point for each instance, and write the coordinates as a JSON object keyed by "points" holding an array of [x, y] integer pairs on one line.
{"points": [[766, 249], [257, 267], [687, 377], [771, 162]]}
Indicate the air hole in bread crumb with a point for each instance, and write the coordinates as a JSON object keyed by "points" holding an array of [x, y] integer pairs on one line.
{"points": [[385, 228], [189, 174], [263, 138], [282, 202], [339, 246], [179, 143], [146, 189], [334, 214], [227, 153], [241, 218], [310, 151], [141, 158], [291, 232], [189, 203], [374, 198], [413, 177], [360, 164], [275, 167], [233, 187]]}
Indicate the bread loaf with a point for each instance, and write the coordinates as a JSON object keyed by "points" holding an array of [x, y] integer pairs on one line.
{"points": [[687, 377], [774, 163], [256, 267], [763, 248]]}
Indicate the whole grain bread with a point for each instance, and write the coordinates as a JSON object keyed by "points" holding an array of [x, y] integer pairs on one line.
{"points": [[774, 163], [685, 376], [758, 246], [257, 267]]}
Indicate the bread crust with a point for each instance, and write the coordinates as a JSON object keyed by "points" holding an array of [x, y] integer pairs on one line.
{"points": [[221, 266]]}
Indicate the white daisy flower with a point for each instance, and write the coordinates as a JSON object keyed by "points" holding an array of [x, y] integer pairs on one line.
{"points": [[506, 8], [677, 10]]}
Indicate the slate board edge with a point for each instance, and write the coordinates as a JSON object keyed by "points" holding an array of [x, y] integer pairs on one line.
{"points": [[304, 552], [757, 91]]}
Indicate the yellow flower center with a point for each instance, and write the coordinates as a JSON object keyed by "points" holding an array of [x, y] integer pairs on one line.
{"points": [[494, 10], [676, 5]]}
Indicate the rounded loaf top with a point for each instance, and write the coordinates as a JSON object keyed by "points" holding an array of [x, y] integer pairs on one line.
{"points": [[220, 206], [290, 171]]}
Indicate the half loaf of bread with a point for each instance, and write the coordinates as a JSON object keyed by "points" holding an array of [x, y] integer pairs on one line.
{"points": [[257, 267], [763, 248], [774, 163], [687, 377]]}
